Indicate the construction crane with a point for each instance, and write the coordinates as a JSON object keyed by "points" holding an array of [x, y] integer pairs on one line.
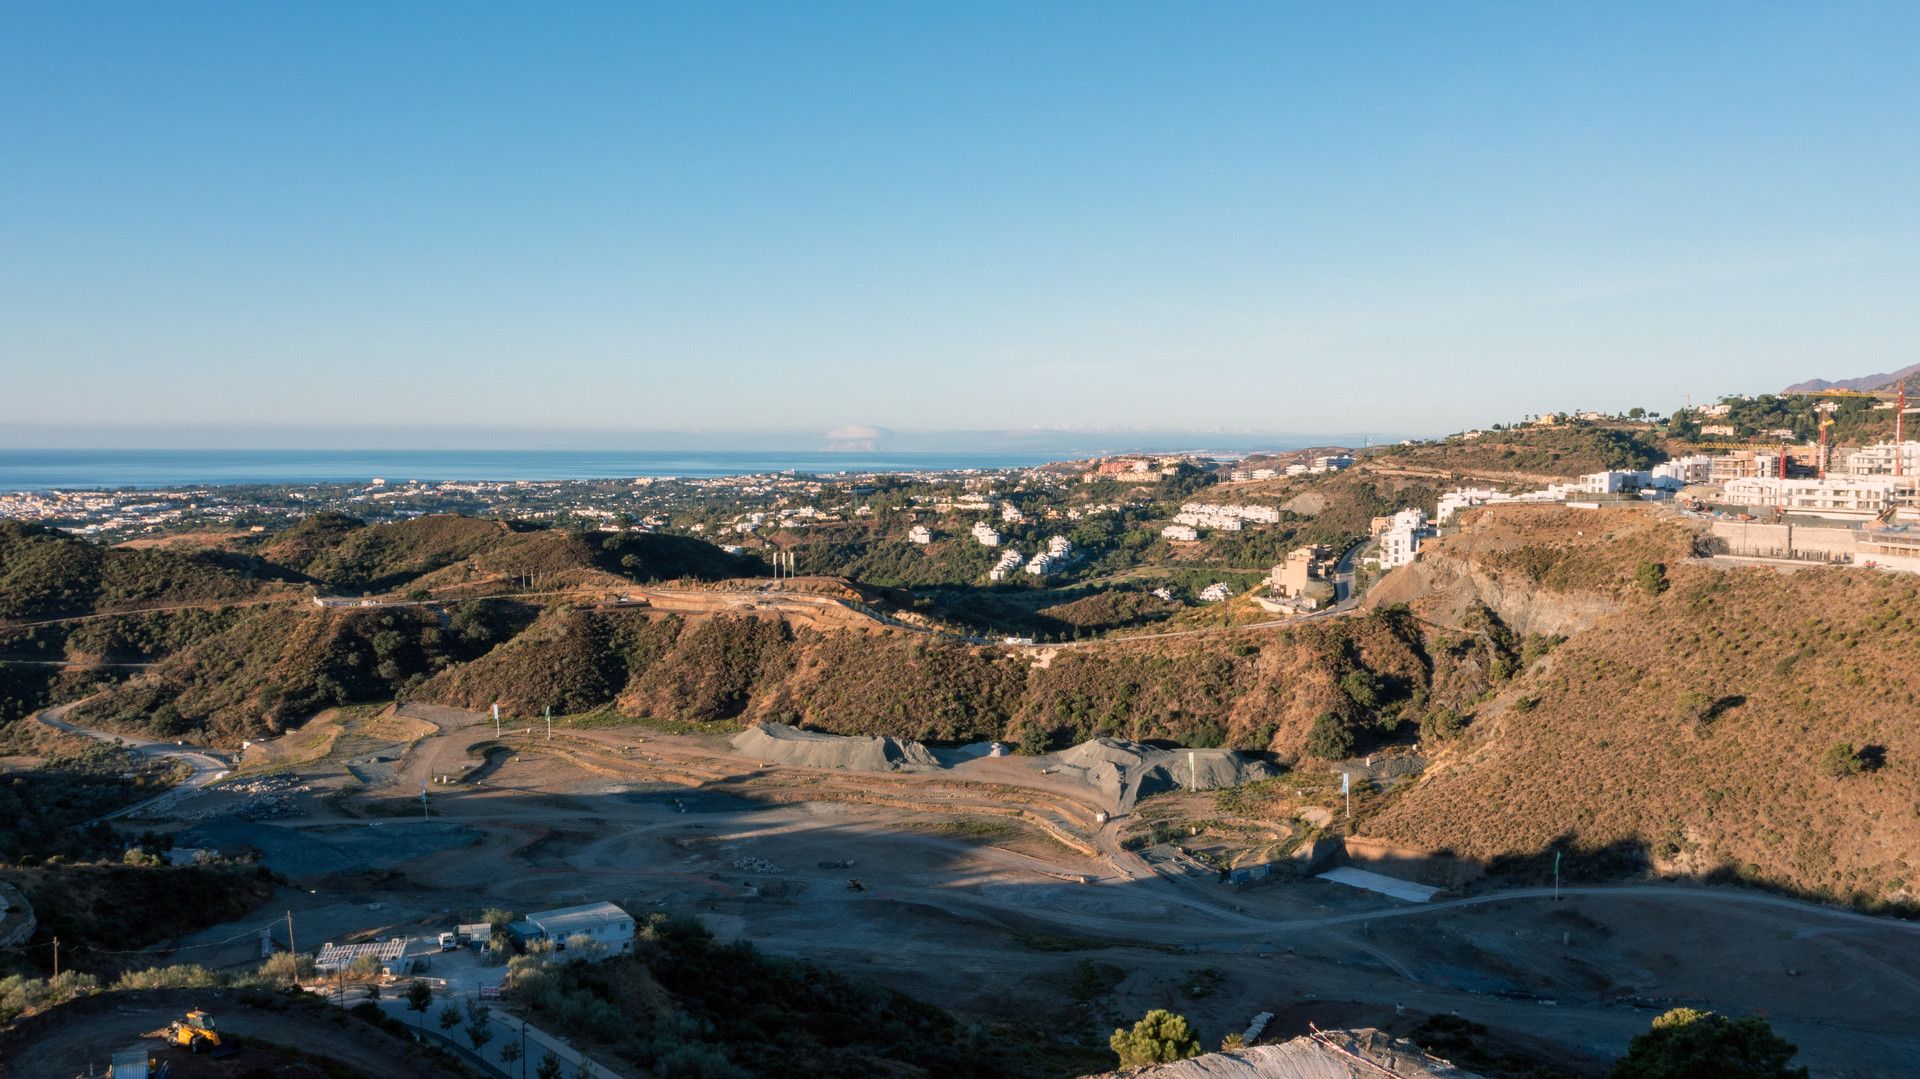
{"points": [[1900, 411], [1826, 410]]}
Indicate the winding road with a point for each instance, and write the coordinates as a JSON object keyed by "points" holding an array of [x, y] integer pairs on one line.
{"points": [[207, 765]]}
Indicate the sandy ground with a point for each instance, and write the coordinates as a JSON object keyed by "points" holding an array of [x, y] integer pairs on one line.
{"points": [[987, 886]]}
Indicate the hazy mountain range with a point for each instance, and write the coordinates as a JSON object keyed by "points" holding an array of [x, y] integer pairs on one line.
{"points": [[1865, 382]]}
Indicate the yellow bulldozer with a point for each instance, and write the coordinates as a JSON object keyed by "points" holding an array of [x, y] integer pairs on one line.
{"points": [[196, 1033]]}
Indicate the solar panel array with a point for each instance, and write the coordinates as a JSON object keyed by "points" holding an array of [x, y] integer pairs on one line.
{"points": [[335, 956]]}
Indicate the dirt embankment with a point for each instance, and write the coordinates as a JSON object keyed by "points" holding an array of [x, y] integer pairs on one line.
{"points": [[1695, 721], [1543, 569]]}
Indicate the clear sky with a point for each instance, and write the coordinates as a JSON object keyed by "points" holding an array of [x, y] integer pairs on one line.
{"points": [[1409, 217]]}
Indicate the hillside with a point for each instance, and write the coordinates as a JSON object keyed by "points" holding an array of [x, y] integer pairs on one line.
{"points": [[1689, 728], [1886, 380], [237, 649], [1527, 454]]}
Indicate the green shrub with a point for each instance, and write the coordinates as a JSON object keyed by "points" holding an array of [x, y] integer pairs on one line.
{"points": [[1158, 1038], [1329, 739]]}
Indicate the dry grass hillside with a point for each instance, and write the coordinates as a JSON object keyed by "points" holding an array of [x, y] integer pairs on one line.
{"points": [[1746, 722]]}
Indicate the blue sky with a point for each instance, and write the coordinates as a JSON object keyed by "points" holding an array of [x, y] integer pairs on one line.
{"points": [[796, 217]]}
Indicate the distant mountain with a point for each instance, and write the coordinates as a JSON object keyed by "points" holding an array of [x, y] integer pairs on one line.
{"points": [[1865, 382]]}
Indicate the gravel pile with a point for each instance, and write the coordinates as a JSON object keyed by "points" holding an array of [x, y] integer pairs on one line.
{"points": [[1126, 772], [783, 744]]}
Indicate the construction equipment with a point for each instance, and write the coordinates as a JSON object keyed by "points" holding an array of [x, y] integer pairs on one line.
{"points": [[197, 1033]]}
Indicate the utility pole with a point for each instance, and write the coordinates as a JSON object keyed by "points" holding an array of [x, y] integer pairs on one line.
{"points": [[1556, 876], [56, 959], [291, 947], [549, 722], [496, 720], [1346, 788]]}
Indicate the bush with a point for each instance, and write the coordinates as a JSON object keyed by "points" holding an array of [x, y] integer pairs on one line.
{"points": [[1650, 577], [1441, 725], [1842, 760], [1693, 706], [20, 995], [286, 968], [1158, 1038], [1329, 739], [178, 977], [1689, 1044]]}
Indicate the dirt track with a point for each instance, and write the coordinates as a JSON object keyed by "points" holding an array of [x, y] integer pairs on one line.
{"points": [[973, 869], [79, 1038]]}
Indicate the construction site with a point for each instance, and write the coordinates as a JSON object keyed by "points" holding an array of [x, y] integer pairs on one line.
{"points": [[1010, 876]]}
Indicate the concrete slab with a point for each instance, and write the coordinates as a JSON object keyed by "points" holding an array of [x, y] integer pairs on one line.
{"points": [[1379, 882]]}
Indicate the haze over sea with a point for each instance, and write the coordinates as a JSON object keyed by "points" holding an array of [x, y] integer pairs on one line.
{"points": [[40, 470]]}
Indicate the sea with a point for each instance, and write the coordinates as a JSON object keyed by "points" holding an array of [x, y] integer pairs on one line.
{"points": [[74, 470]]}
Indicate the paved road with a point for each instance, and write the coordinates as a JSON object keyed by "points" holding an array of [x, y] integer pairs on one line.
{"points": [[208, 765]]}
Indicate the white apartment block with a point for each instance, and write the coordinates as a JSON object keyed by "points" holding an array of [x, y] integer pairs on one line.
{"points": [[919, 534], [1180, 532], [1399, 545], [1835, 496], [1009, 562], [1215, 592], [1883, 459], [1684, 471], [985, 534]]}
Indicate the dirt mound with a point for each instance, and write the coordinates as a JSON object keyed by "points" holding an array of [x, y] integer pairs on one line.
{"points": [[789, 745], [1333, 1054], [1126, 772]]}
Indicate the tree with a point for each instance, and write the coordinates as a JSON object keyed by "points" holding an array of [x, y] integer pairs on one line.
{"points": [[449, 1016], [1842, 760], [364, 966], [419, 998], [1689, 1044], [479, 1025], [1650, 577], [286, 968], [1158, 1038], [510, 1052], [549, 1066], [1440, 725], [1693, 706], [1330, 740]]}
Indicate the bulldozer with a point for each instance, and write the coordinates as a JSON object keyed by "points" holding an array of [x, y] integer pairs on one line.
{"points": [[197, 1033]]}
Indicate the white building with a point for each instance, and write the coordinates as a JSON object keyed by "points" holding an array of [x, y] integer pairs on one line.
{"points": [[604, 924], [1011, 514], [1683, 471], [1180, 532], [919, 534], [1835, 496], [985, 534], [1215, 592], [1009, 562], [1880, 459], [1399, 544]]}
